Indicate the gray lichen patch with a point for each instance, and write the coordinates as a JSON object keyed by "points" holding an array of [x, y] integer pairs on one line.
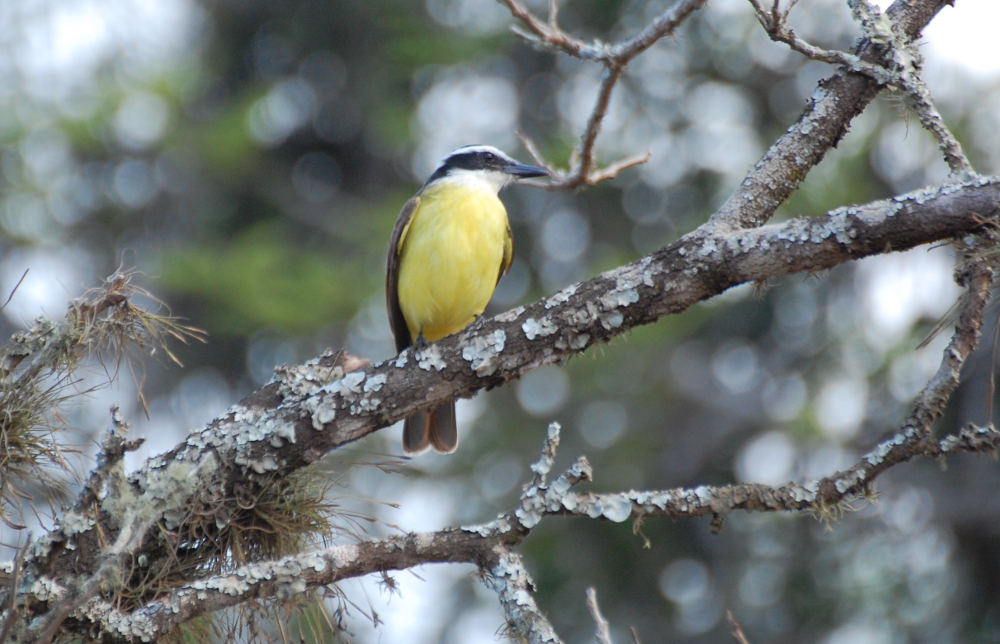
{"points": [[511, 315], [163, 491], [538, 328], [562, 296], [303, 379], [259, 464], [47, 590], [803, 494], [374, 382], [501, 525], [321, 409], [708, 248], [365, 405], [349, 385], [430, 358], [539, 500], [233, 585], [849, 481], [610, 320], [622, 295], [76, 522], [355, 390], [139, 627], [877, 455], [483, 353], [240, 427], [617, 507], [322, 405], [531, 511], [282, 431]]}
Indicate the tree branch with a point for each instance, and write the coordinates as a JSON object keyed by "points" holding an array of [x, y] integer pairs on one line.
{"points": [[828, 114], [316, 407], [901, 70], [602, 630], [735, 629], [510, 579], [488, 546], [582, 166]]}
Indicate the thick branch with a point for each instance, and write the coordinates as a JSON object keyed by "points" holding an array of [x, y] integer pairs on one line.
{"points": [[294, 574], [306, 420]]}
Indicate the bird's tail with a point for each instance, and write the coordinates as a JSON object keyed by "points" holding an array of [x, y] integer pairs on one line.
{"points": [[435, 428]]}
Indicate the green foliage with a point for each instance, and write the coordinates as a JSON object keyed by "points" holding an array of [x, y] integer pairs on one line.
{"points": [[253, 282], [224, 144], [427, 48]]}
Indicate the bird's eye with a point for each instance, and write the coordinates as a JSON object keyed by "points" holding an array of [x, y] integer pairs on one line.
{"points": [[489, 156]]}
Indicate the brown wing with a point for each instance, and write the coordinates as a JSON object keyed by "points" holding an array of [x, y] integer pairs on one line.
{"points": [[396, 320], [508, 254]]}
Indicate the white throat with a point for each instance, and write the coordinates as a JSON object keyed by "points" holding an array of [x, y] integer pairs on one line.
{"points": [[491, 180]]}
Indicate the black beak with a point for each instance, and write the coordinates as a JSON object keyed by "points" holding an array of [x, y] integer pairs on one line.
{"points": [[525, 170]]}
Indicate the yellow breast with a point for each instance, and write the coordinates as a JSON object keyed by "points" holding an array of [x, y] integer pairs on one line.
{"points": [[450, 258]]}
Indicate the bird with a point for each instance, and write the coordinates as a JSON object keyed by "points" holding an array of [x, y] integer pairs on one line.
{"points": [[450, 246]]}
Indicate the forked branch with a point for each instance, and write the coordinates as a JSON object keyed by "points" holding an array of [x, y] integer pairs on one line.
{"points": [[583, 168]]}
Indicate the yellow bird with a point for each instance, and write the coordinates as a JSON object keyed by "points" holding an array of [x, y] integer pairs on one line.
{"points": [[449, 248]]}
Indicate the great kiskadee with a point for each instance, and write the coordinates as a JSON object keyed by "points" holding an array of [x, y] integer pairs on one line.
{"points": [[449, 248]]}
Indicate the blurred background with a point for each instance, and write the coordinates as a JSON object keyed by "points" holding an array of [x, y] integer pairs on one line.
{"points": [[249, 158]]}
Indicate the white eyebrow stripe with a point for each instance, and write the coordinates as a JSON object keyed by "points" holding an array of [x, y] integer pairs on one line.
{"points": [[477, 148]]}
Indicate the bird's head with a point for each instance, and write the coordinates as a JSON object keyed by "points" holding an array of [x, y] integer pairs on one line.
{"points": [[483, 163]]}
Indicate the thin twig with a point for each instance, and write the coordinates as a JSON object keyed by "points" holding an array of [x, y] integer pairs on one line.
{"points": [[837, 100], [774, 22], [663, 25], [736, 629], [978, 277], [585, 153], [11, 296], [543, 465], [907, 60], [903, 72], [12, 609], [110, 568], [920, 101], [823, 496], [510, 579], [549, 33], [611, 170], [602, 630], [583, 170]]}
